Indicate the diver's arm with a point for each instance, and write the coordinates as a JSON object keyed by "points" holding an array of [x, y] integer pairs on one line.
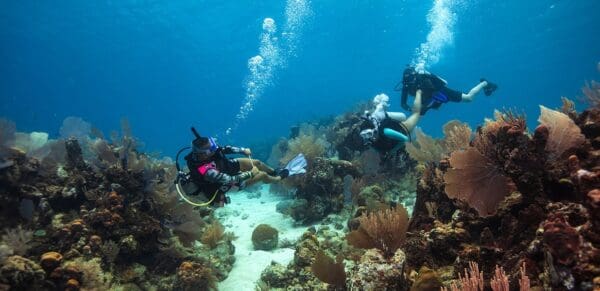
{"points": [[216, 176], [236, 150]]}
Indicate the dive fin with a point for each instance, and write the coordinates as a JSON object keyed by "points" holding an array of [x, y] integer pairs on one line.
{"points": [[295, 166]]}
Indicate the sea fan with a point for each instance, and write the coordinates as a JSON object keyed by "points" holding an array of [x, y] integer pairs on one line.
{"points": [[425, 148], [457, 135], [564, 133], [475, 180]]}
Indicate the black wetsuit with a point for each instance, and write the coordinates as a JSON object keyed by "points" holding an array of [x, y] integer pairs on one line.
{"points": [[434, 90], [216, 173]]}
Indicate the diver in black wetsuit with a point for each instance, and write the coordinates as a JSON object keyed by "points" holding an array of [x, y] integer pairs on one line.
{"points": [[435, 92], [212, 173]]}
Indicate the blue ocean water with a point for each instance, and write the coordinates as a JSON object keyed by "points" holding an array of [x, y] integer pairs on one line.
{"points": [[166, 65]]}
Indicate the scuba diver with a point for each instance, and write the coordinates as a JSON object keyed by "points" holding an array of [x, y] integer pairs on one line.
{"points": [[388, 130], [212, 173], [435, 92]]}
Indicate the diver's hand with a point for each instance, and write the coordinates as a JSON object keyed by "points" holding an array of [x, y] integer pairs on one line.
{"points": [[245, 175], [247, 152]]}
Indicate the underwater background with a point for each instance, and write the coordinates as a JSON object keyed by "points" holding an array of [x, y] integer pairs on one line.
{"points": [[97, 97], [169, 65]]}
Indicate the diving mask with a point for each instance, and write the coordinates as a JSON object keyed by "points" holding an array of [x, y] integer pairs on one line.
{"points": [[205, 151]]}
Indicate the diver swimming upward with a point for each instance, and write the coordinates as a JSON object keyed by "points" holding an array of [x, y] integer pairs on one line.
{"points": [[213, 174], [435, 91], [388, 130]]}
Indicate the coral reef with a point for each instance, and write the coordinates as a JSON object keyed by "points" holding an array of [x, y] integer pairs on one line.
{"points": [[384, 230], [329, 271], [21, 273], [505, 207], [84, 207], [194, 276], [525, 206], [520, 199], [376, 272]]}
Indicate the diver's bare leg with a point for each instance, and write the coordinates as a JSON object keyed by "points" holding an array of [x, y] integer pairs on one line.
{"points": [[471, 95], [263, 167], [246, 164], [398, 116], [262, 177], [414, 118]]}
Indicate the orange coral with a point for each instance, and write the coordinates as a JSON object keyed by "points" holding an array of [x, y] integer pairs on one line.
{"points": [[72, 284], [384, 230], [51, 260], [77, 225], [475, 180], [115, 201]]}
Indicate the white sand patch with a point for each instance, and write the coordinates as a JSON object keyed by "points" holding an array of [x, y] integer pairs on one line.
{"points": [[250, 263]]}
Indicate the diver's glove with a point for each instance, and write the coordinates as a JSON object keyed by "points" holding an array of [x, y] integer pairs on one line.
{"points": [[489, 88], [282, 172]]}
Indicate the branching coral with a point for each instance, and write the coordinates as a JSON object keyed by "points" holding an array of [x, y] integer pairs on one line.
{"points": [[17, 239], [568, 107], [475, 180], [213, 234], [384, 230], [94, 278], [473, 280], [564, 134], [425, 148], [592, 93], [188, 222]]}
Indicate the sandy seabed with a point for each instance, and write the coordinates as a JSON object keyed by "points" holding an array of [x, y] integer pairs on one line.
{"points": [[241, 217]]}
